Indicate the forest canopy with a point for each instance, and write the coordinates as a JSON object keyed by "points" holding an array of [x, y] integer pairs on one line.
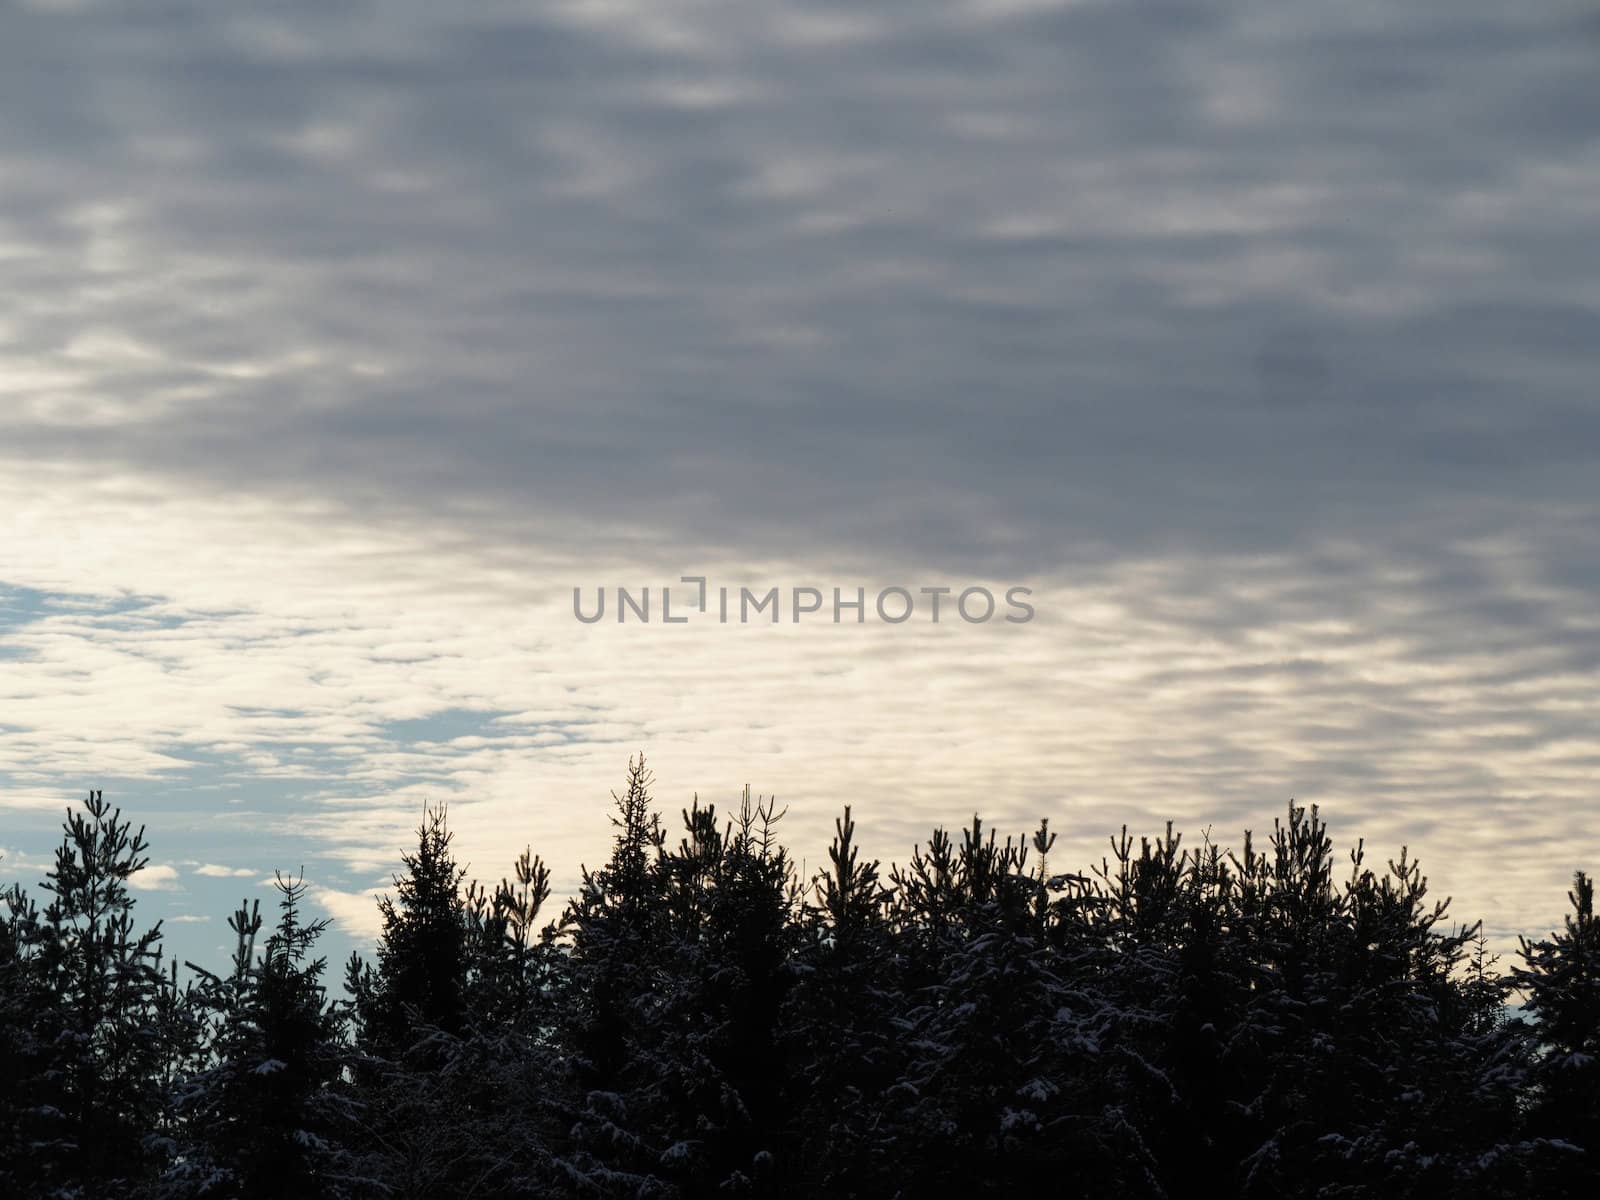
{"points": [[1175, 1020]]}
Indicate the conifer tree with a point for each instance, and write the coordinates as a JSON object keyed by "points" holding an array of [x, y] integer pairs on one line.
{"points": [[1175, 1023], [267, 1117], [980, 1100], [1560, 979], [420, 975], [444, 1059], [837, 1023], [482, 1110], [95, 1093], [30, 1126], [730, 977], [509, 964], [612, 923], [679, 962]]}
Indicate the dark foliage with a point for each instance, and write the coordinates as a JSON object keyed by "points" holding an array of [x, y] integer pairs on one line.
{"points": [[265, 1114], [1175, 1022]]}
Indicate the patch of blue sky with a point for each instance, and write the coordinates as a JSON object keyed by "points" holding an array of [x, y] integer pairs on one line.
{"points": [[218, 835], [127, 612], [20, 605], [217, 810], [19, 608], [444, 726]]}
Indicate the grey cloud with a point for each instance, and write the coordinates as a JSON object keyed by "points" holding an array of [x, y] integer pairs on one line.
{"points": [[1019, 289]]}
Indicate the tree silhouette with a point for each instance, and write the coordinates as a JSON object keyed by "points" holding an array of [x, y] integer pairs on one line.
{"points": [[1178, 1021], [90, 985], [1560, 978], [264, 1118]]}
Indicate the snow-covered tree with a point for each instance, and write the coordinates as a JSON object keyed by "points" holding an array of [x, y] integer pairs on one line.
{"points": [[1559, 978], [89, 1038], [267, 1116], [420, 977], [1176, 1022]]}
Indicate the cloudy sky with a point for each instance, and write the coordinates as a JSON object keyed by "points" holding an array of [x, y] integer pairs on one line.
{"points": [[340, 341]]}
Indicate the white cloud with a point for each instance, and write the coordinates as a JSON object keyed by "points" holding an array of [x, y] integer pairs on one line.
{"points": [[17, 862], [155, 878], [38, 801], [214, 871], [355, 912]]}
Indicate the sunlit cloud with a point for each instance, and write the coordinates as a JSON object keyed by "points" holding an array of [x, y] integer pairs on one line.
{"points": [[157, 877], [215, 871], [1259, 340]]}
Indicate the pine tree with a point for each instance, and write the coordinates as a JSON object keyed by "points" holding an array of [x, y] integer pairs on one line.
{"points": [[1176, 1023], [266, 1118], [422, 951], [1560, 980], [838, 1023], [31, 1128], [978, 1102], [509, 964], [95, 1102], [444, 1049], [614, 923], [730, 975], [680, 961]]}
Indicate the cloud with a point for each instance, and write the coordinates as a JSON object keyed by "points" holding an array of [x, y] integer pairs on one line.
{"points": [[155, 878], [834, 286], [1191, 687], [1260, 339], [37, 801], [14, 863], [356, 912], [215, 871]]}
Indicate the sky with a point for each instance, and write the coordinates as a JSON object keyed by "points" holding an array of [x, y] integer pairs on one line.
{"points": [[340, 342]]}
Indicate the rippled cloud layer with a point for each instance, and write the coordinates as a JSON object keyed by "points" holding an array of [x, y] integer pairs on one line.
{"points": [[341, 341]]}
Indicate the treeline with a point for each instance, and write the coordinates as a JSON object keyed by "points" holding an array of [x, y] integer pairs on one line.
{"points": [[1174, 1022]]}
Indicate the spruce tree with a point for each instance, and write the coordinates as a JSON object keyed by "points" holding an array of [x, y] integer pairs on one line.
{"points": [[32, 1130], [267, 1117], [95, 1097], [1176, 1023], [1559, 977], [420, 976], [839, 1025]]}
